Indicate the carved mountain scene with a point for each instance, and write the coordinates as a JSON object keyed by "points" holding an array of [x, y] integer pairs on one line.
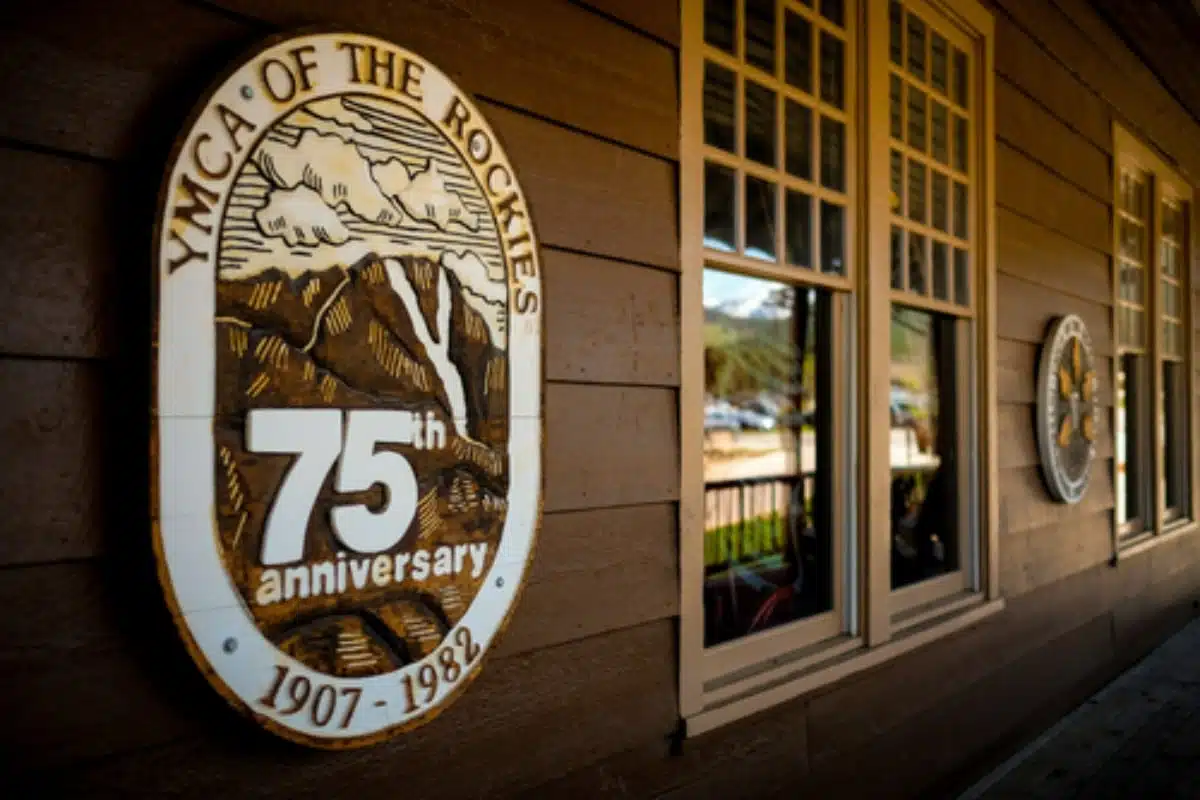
{"points": [[360, 269]]}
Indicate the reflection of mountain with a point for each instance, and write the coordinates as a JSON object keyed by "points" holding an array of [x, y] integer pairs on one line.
{"points": [[769, 302]]}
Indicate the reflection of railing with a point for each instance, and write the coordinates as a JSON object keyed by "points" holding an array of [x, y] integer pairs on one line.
{"points": [[751, 517]]}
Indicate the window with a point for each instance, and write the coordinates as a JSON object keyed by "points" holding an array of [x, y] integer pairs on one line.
{"points": [[827, 266], [1152, 420]]}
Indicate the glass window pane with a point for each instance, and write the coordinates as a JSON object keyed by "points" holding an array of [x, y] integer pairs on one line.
{"points": [[897, 181], [938, 67], [1131, 283], [760, 34], [1127, 441], [916, 118], [941, 271], [833, 154], [916, 191], [799, 228], [760, 218], [719, 120], [961, 229], [939, 132], [960, 143], [918, 264], [760, 124], [834, 11], [916, 46], [719, 183], [1170, 256], [719, 24], [960, 77], [924, 491], [896, 33], [1133, 241], [897, 258], [768, 544], [832, 69], [798, 52], [896, 109], [1176, 473], [833, 238], [941, 201], [962, 282], [799, 140]]}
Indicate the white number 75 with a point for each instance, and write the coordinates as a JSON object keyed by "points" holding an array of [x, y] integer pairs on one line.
{"points": [[314, 435]]}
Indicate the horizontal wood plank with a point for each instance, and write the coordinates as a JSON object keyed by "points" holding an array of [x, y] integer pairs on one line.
{"points": [[1025, 502], [74, 465], [597, 571], [658, 19], [555, 59], [1026, 64], [1029, 189], [1040, 556], [1016, 373], [1025, 125], [1026, 310], [621, 683], [1033, 252], [610, 322]]}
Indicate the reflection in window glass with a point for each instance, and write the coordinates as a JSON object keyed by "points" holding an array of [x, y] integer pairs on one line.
{"points": [[798, 135], [916, 191], [718, 24], [960, 143], [1174, 433], [832, 68], [719, 186], [760, 124], [1130, 485], [916, 118], [718, 107], [799, 228], [916, 46], [896, 33], [897, 171], [798, 51], [833, 148], [938, 66], [896, 108], [941, 201], [924, 492], [834, 11], [768, 555], [960, 77], [918, 264], [760, 219], [941, 272], [939, 133], [962, 280], [897, 254], [833, 238], [960, 210], [760, 34]]}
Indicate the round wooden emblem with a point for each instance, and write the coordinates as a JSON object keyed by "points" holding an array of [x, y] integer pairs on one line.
{"points": [[1067, 409], [348, 399]]}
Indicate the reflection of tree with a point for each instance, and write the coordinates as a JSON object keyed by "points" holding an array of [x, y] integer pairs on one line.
{"points": [[747, 359]]}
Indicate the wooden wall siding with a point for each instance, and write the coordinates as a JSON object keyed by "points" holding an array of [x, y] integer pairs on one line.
{"points": [[584, 97]]}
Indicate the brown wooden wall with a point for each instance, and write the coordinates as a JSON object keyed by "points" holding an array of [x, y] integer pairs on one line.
{"points": [[580, 697]]}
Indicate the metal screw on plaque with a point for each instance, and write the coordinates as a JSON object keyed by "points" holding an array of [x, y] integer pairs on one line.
{"points": [[499, 581], [247, 92], [230, 645]]}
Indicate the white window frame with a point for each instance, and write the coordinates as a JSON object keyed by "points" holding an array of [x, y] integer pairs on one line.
{"points": [[1130, 154], [873, 624]]}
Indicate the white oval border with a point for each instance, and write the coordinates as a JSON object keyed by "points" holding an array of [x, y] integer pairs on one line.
{"points": [[1061, 333], [208, 608]]}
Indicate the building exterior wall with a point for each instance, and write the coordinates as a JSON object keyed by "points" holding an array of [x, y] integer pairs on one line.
{"points": [[580, 696]]}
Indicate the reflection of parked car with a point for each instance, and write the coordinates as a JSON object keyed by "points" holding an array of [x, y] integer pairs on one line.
{"points": [[722, 419], [754, 420]]}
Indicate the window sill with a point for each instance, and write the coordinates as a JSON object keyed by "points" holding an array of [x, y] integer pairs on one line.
{"points": [[1148, 540], [836, 659]]}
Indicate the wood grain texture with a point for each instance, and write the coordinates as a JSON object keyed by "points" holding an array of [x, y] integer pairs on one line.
{"points": [[1029, 189], [1024, 62], [610, 446], [1025, 503], [657, 19], [516, 720], [1040, 556], [610, 322], [1016, 373], [1027, 126], [551, 58], [1028, 250], [1026, 310], [597, 571]]}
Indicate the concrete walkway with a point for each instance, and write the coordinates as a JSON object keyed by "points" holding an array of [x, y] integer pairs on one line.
{"points": [[1138, 738]]}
